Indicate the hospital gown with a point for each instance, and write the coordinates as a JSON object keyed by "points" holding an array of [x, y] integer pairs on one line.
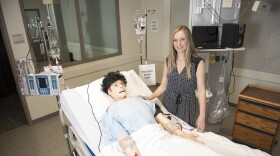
{"points": [[127, 116]]}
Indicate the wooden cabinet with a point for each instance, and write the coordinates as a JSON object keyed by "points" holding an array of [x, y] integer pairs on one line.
{"points": [[257, 117]]}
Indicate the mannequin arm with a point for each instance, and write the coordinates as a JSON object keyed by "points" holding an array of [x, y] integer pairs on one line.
{"points": [[174, 129]]}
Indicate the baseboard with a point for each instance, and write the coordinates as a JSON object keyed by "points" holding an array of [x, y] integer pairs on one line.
{"points": [[45, 117], [232, 104]]}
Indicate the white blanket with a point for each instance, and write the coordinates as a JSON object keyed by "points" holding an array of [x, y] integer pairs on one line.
{"points": [[153, 140]]}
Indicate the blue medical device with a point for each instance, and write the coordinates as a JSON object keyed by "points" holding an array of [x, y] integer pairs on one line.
{"points": [[43, 84], [32, 85]]}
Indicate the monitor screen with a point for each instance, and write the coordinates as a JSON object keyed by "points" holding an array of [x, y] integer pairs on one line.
{"points": [[42, 83], [204, 36]]}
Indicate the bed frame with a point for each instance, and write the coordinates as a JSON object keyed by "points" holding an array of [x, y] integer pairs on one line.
{"points": [[76, 146]]}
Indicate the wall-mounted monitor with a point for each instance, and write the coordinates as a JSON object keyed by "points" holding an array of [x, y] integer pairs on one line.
{"points": [[206, 37]]}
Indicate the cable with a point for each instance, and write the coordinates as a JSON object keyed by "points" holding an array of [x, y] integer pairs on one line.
{"points": [[32, 36], [232, 73], [95, 119], [219, 18]]}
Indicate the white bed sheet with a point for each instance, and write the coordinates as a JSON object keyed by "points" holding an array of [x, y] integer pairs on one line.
{"points": [[75, 105], [153, 140]]}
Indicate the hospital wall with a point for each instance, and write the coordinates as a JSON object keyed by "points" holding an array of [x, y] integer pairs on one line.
{"points": [[167, 13], [85, 73], [259, 64]]}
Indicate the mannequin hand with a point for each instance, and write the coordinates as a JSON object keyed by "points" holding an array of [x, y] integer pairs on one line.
{"points": [[128, 146]]}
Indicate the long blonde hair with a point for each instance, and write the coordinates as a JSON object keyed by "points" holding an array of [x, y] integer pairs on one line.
{"points": [[191, 50]]}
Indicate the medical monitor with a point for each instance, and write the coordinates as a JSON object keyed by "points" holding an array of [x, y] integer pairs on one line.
{"points": [[205, 37], [43, 84]]}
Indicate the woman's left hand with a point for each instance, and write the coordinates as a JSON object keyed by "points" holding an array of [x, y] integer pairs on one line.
{"points": [[200, 124], [145, 97]]}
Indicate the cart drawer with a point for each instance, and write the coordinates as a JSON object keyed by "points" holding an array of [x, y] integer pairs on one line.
{"points": [[259, 110], [251, 137], [256, 122]]}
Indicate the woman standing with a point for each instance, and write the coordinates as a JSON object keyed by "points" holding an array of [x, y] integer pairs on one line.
{"points": [[183, 73]]}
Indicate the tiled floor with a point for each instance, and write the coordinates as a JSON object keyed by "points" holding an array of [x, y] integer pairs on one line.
{"points": [[42, 139], [46, 138], [11, 113]]}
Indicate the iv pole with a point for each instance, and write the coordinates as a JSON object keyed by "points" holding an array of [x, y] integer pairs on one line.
{"points": [[146, 38], [140, 26], [146, 72], [146, 35]]}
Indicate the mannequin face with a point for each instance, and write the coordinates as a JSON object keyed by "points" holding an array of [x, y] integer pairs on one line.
{"points": [[117, 90]]}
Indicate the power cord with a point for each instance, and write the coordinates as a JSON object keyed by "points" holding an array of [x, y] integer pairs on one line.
{"points": [[231, 74], [95, 119], [218, 17]]}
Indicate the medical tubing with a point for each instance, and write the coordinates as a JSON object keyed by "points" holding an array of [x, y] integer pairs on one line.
{"points": [[180, 126], [95, 119], [141, 59]]}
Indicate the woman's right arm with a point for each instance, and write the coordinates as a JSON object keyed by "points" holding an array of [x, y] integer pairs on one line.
{"points": [[162, 87]]}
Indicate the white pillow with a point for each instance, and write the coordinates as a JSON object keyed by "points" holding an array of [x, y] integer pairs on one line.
{"points": [[100, 101], [92, 93]]}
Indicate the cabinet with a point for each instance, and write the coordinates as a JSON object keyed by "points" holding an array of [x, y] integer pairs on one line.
{"points": [[257, 117]]}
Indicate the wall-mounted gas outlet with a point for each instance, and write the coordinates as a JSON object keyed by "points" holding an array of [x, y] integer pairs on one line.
{"points": [[227, 4]]}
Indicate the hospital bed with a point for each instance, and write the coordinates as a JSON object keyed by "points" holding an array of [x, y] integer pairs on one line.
{"points": [[81, 109]]}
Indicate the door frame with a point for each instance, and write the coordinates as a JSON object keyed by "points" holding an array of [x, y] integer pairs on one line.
{"points": [[12, 62]]}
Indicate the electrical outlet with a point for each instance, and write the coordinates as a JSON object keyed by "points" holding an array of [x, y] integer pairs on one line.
{"points": [[221, 78], [198, 10], [262, 7], [227, 4]]}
